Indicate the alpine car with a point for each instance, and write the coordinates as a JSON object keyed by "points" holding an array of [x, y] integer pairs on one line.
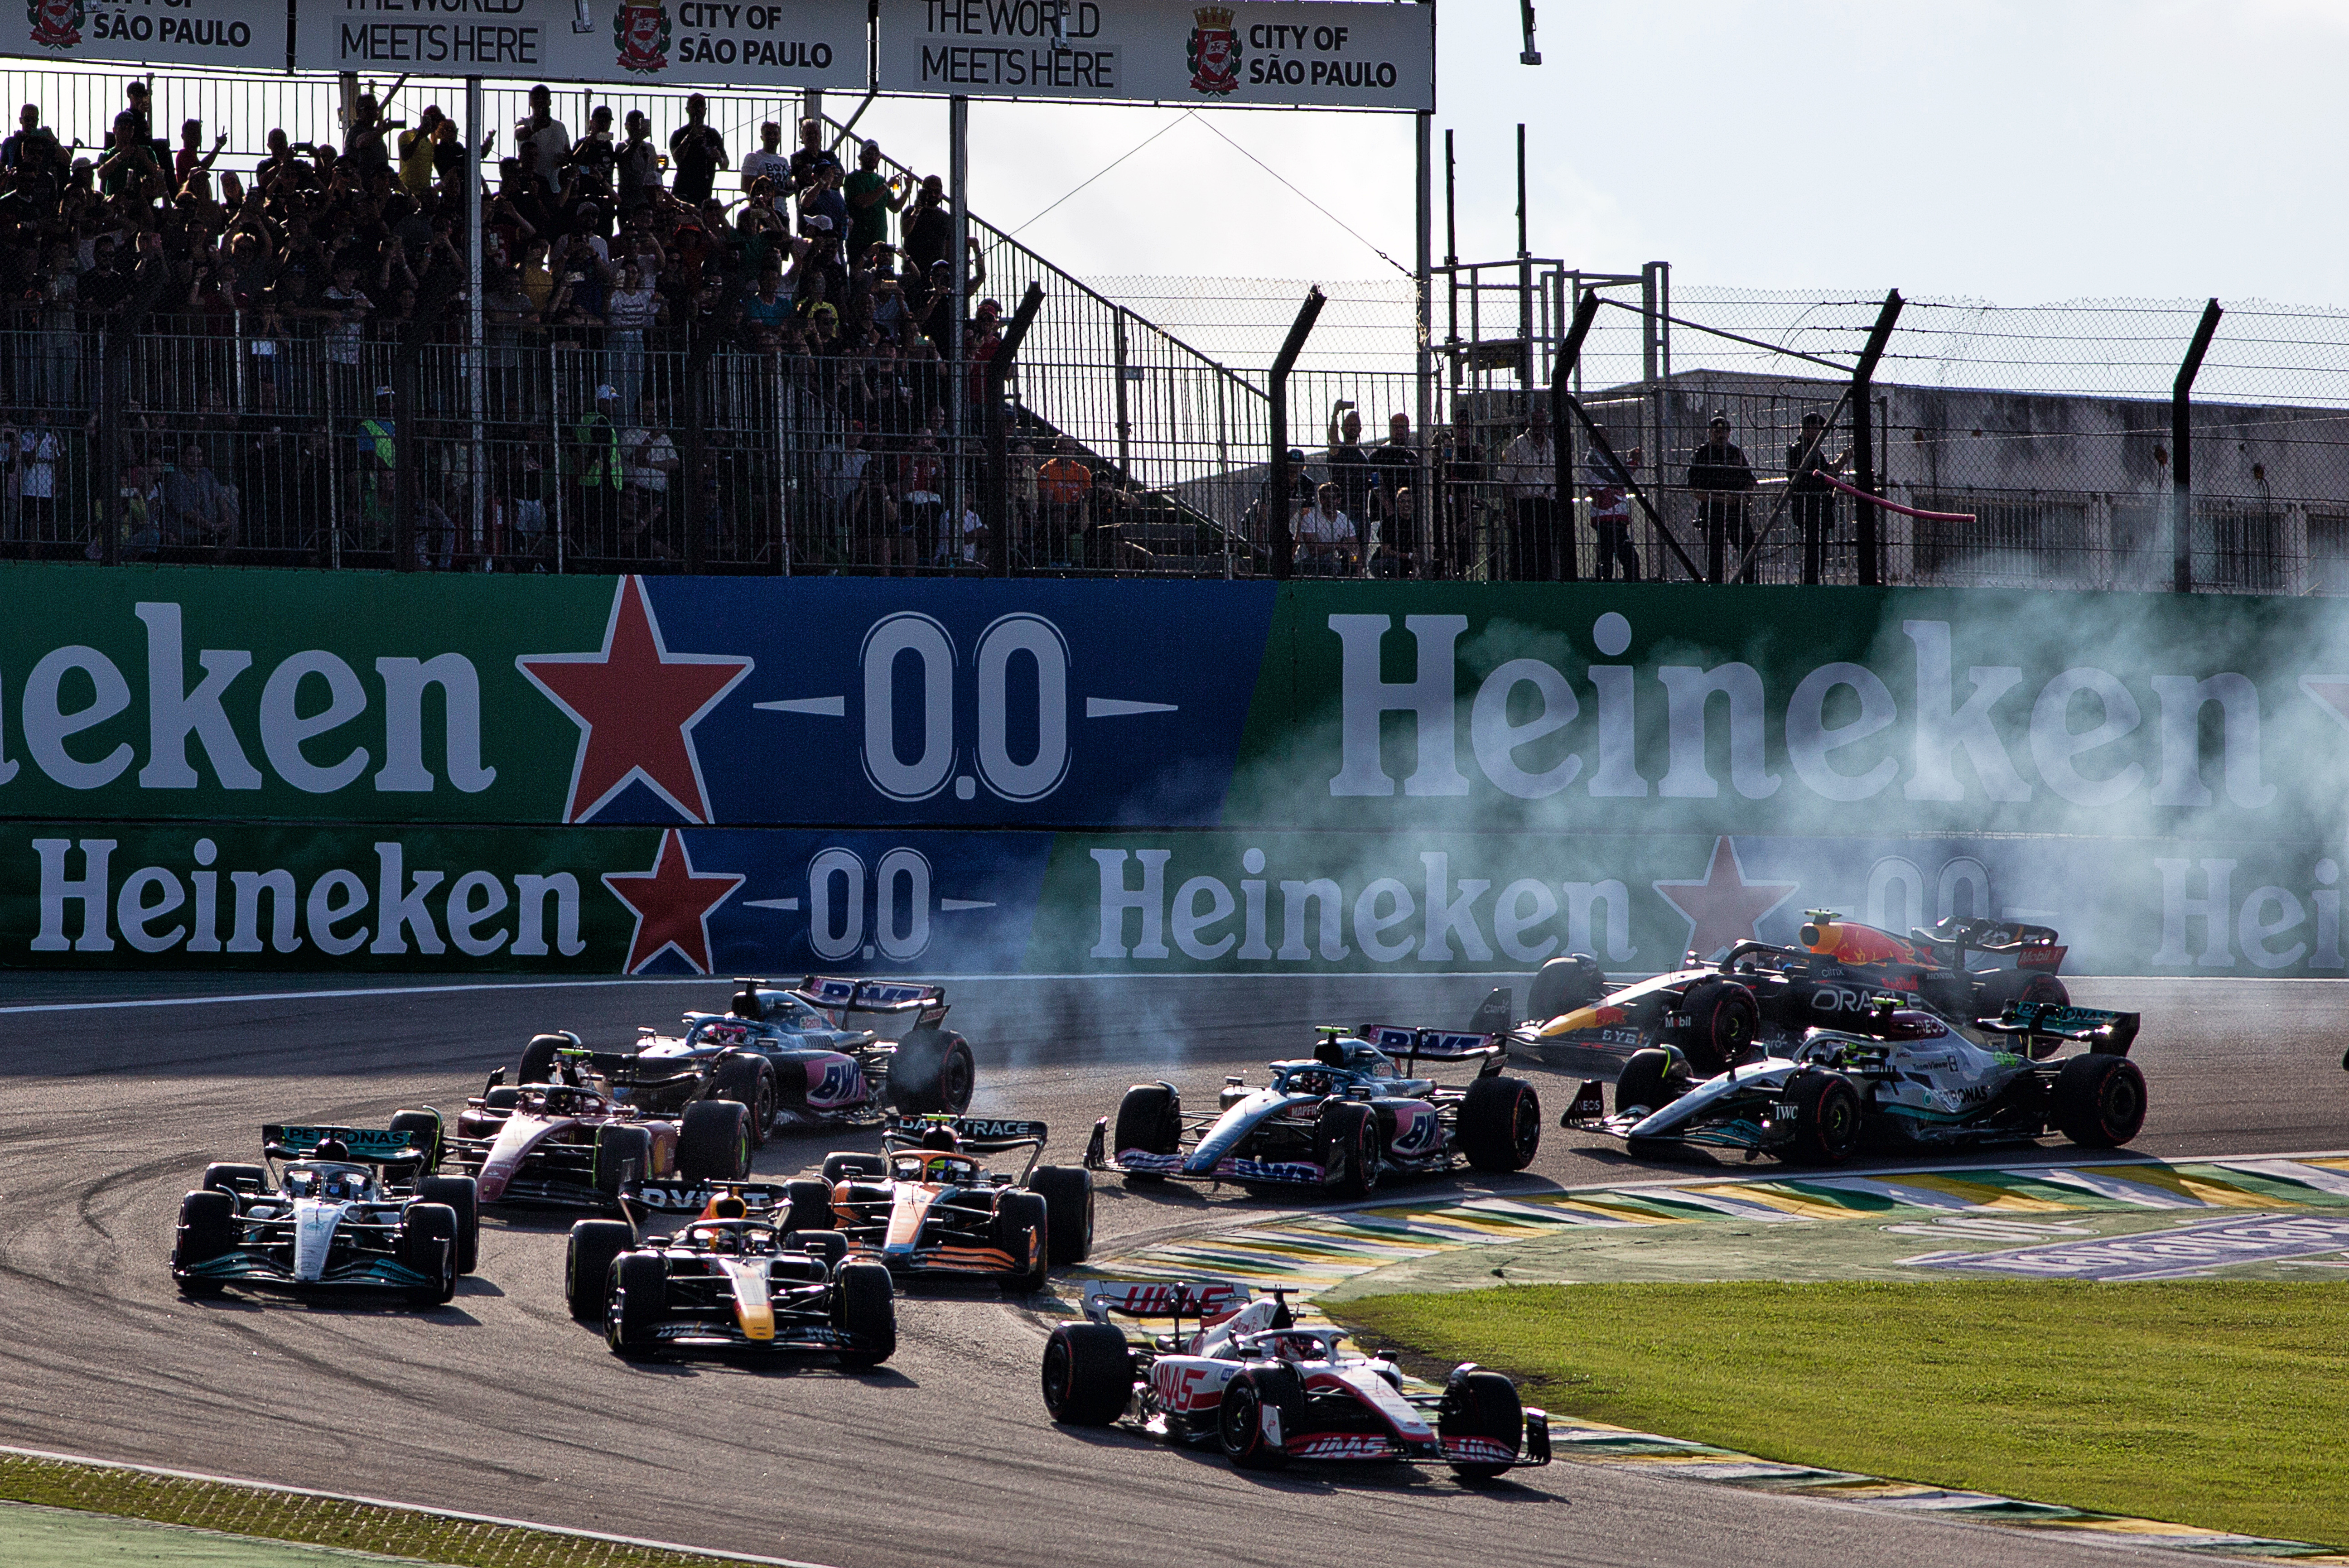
{"points": [[1265, 1391], [829, 1053], [929, 1203], [730, 1280], [1908, 1081], [571, 1143], [1760, 993], [331, 1207], [1352, 1115]]}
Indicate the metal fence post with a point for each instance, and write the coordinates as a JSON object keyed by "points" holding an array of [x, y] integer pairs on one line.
{"points": [[998, 455], [1863, 442], [2181, 454], [1284, 545]]}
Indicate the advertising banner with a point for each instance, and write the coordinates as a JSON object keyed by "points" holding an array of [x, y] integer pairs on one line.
{"points": [[687, 43], [247, 33], [1260, 54]]}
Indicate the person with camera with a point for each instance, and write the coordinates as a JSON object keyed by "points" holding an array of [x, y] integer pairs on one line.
{"points": [[540, 129], [696, 151], [871, 198]]}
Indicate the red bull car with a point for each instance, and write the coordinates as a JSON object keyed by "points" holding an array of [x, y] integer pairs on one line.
{"points": [[730, 1280], [931, 1202], [1761, 995], [571, 1143], [1265, 1391]]}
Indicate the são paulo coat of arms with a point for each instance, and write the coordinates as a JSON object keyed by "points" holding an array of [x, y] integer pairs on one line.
{"points": [[1215, 50], [640, 36], [57, 24]]}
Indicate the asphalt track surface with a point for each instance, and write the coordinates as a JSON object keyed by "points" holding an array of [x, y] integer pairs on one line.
{"points": [[501, 1405]]}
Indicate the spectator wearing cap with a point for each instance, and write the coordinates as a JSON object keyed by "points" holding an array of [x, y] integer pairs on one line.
{"points": [[1811, 498], [540, 129], [696, 151], [1609, 479], [1722, 477], [768, 163], [1539, 551]]}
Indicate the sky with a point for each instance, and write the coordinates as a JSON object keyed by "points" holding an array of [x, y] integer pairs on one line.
{"points": [[2016, 153]]}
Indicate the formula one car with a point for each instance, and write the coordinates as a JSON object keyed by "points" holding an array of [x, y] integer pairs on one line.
{"points": [[1354, 1114], [730, 1280], [332, 1208], [831, 1053], [1759, 994], [927, 1204], [1908, 1081], [570, 1143], [1265, 1391]]}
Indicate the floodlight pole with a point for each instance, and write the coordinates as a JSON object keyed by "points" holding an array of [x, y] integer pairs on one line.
{"points": [[957, 382], [1865, 535], [1283, 543], [2181, 454]]}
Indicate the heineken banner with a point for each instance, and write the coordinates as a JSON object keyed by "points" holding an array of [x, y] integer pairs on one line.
{"points": [[248, 33], [967, 774], [697, 43]]}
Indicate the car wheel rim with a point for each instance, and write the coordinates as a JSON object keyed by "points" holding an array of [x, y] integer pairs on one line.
{"points": [[1056, 1373], [1528, 1127]]}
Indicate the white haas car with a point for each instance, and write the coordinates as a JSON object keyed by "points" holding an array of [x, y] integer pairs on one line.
{"points": [[1265, 1390]]}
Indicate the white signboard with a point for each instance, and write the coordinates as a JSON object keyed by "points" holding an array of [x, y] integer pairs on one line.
{"points": [[1321, 54], [247, 32], [690, 42]]}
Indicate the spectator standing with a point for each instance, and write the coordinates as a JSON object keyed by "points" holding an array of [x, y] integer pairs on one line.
{"points": [[594, 157], [811, 157], [648, 459], [416, 147], [192, 157], [1349, 468], [697, 152], [596, 469], [871, 196], [1325, 535], [841, 479], [929, 230], [540, 129], [630, 311], [1064, 485], [1610, 510], [1539, 552], [1720, 476], [639, 165], [822, 200], [38, 451], [768, 163], [1813, 500], [347, 309]]}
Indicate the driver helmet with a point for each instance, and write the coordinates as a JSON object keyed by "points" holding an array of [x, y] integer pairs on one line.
{"points": [[331, 1149], [1311, 1083], [341, 1186], [729, 1206], [943, 1138]]}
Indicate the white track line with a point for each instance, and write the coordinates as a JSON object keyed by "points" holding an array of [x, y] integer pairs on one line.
{"points": [[407, 1507]]}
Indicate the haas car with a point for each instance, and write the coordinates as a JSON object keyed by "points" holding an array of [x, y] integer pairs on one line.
{"points": [[731, 1279], [829, 1053], [1349, 1116], [1714, 1013], [334, 1208], [1908, 1081], [1252, 1382], [929, 1203], [569, 1141]]}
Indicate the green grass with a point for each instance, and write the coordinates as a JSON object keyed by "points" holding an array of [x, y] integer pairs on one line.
{"points": [[318, 1522], [2219, 1404]]}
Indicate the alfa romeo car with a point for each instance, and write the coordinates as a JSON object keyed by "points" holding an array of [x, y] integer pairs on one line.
{"points": [[1352, 1115], [1251, 1381]]}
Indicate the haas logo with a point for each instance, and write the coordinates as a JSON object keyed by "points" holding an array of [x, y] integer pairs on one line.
{"points": [[57, 24], [1215, 51], [640, 34]]}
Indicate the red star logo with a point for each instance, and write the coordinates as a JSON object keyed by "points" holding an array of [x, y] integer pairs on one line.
{"points": [[1723, 908], [636, 705], [672, 904]]}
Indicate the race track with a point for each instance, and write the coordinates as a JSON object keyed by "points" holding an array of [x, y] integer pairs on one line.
{"points": [[501, 1405]]}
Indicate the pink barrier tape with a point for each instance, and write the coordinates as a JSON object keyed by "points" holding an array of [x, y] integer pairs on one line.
{"points": [[1856, 492]]}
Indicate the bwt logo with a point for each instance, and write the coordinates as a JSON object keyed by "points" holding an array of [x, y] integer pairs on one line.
{"points": [[916, 686]]}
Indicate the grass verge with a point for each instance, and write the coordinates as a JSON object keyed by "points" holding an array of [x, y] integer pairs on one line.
{"points": [[2219, 1404], [234, 1510]]}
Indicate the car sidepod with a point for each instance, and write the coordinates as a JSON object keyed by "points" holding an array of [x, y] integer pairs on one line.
{"points": [[1234, 1148]]}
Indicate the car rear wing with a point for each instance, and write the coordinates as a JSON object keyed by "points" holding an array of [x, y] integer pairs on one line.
{"points": [[2052, 1020], [688, 1199], [1409, 1043], [364, 1146], [1175, 1299], [888, 1000], [977, 1134]]}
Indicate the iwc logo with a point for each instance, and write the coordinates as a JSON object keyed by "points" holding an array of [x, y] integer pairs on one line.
{"points": [[57, 24], [640, 36], [1215, 51]]}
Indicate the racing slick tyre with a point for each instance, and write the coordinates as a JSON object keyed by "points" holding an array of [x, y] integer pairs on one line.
{"points": [[1826, 1118], [1481, 1405], [464, 1199], [1647, 1083], [208, 1230], [2016, 988], [1723, 1021], [234, 1179], [1241, 1424], [427, 1243], [1023, 1228], [1564, 984], [839, 1167], [713, 1144], [1068, 1195], [865, 1312], [2099, 1100], [931, 1070], [811, 1205], [622, 1155], [537, 1065], [638, 1296], [1149, 1118], [1088, 1374], [830, 1246], [1500, 1124], [1352, 1148], [587, 1265], [427, 1125], [748, 1081]]}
